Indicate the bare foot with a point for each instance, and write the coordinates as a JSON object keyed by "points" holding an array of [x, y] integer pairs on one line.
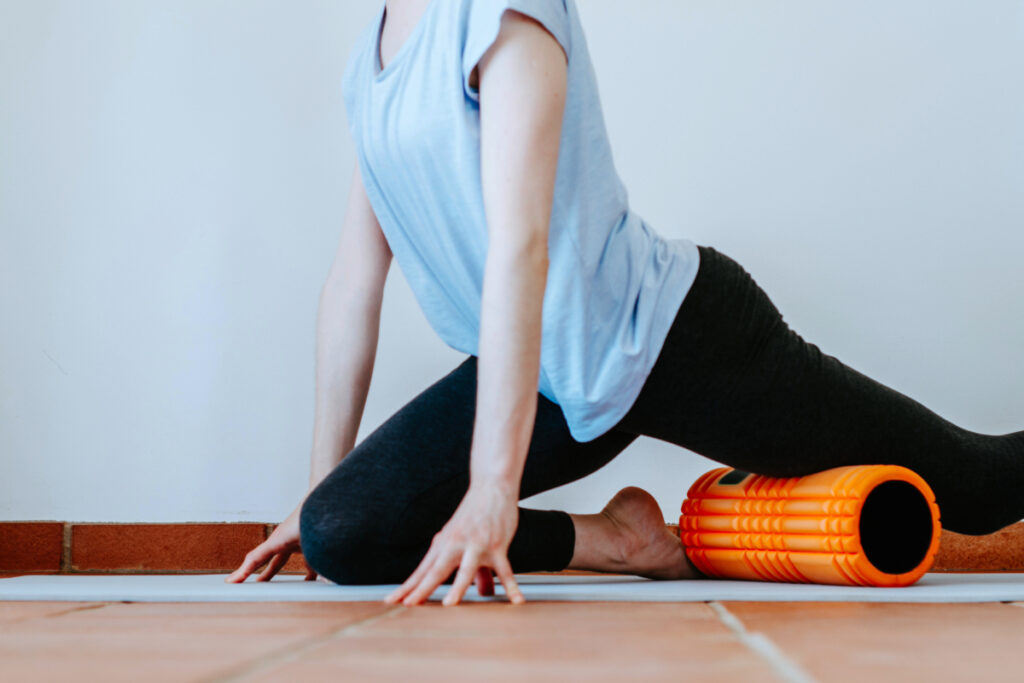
{"points": [[629, 536]]}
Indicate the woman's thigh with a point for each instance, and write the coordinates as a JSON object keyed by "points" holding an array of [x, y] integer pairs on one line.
{"points": [[736, 384], [401, 483]]}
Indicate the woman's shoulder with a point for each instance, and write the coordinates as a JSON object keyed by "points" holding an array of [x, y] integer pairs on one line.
{"points": [[482, 20]]}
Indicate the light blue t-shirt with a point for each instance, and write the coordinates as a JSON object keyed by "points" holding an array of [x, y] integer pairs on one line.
{"points": [[614, 285]]}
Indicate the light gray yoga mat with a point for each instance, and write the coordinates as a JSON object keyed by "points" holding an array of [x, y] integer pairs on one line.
{"points": [[211, 588]]}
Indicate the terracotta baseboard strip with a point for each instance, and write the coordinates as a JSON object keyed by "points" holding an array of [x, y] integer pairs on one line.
{"points": [[137, 548], [36, 547], [1002, 551]]}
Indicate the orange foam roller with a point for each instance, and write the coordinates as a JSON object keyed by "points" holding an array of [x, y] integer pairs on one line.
{"points": [[862, 525]]}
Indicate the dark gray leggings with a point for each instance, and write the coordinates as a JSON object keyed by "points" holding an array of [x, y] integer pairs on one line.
{"points": [[733, 382]]}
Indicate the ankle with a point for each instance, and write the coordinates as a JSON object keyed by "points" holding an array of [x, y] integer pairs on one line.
{"points": [[597, 546]]}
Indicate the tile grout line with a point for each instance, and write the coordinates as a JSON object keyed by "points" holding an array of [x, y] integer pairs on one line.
{"points": [[65, 548], [293, 652], [762, 646]]}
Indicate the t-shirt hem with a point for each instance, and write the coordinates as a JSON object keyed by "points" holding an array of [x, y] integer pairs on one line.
{"points": [[602, 418]]}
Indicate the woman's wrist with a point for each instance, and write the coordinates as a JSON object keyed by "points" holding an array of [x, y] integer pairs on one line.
{"points": [[492, 484]]}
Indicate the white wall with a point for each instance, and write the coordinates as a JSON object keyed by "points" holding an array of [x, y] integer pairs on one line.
{"points": [[172, 183]]}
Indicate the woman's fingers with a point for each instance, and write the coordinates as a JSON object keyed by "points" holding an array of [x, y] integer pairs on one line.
{"points": [[414, 578], [504, 571], [440, 570], [275, 566], [253, 560], [467, 570], [310, 574]]}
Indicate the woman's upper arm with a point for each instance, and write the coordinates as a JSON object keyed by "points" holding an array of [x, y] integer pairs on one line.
{"points": [[523, 82], [363, 256]]}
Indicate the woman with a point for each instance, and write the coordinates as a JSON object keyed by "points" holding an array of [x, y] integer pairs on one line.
{"points": [[484, 168]]}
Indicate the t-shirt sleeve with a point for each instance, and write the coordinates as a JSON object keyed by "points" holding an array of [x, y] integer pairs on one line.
{"points": [[484, 23]]}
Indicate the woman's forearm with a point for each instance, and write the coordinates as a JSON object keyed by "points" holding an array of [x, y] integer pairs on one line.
{"points": [[508, 360], [348, 324]]}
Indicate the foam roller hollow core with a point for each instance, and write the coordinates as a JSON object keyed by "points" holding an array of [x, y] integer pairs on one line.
{"points": [[862, 525]]}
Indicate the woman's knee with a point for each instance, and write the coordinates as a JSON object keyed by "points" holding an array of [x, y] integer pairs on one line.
{"points": [[341, 532]]}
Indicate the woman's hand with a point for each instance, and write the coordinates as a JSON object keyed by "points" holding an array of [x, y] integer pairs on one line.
{"points": [[475, 540], [277, 549]]}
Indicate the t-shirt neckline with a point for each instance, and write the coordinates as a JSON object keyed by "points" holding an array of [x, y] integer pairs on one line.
{"points": [[413, 37]]}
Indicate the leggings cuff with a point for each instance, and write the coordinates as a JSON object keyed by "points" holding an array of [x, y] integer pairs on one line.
{"points": [[544, 541]]}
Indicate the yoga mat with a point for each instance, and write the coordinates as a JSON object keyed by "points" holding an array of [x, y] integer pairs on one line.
{"points": [[937, 587]]}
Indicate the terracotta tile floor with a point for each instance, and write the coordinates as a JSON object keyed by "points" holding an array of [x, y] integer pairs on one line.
{"points": [[539, 641]]}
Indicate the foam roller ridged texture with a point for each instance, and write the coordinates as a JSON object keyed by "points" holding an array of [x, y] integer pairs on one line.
{"points": [[798, 529]]}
